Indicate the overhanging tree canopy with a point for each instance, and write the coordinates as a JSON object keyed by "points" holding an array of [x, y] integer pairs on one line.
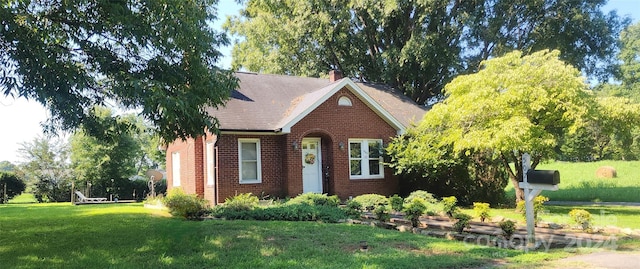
{"points": [[514, 104], [158, 55]]}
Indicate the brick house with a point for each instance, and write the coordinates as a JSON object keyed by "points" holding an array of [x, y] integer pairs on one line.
{"points": [[283, 136]]}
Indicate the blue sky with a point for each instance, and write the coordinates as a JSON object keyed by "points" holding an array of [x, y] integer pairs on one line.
{"points": [[21, 119]]}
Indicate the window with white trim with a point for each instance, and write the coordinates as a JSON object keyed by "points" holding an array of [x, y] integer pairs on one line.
{"points": [[211, 163], [175, 168], [365, 158], [249, 160], [344, 101]]}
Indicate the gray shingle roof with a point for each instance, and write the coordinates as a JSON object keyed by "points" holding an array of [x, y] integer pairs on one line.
{"points": [[268, 102]]}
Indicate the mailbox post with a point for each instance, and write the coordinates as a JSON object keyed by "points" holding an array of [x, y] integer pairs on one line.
{"points": [[533, 182]]}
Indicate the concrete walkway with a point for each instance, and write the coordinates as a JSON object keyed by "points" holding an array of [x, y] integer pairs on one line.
{"points": [[604, 259], [579, 203]]}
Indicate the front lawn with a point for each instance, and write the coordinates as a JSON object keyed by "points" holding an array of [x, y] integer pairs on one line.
{"points": [[130, 236]]}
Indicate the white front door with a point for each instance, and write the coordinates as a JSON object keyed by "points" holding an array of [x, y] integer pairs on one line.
{"points": [[311, 165]]}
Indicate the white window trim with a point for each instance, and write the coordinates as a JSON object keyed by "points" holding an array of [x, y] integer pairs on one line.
{"points": [[211, 163], [344, 101], [364, 153], [175, 169], [258, 161]]}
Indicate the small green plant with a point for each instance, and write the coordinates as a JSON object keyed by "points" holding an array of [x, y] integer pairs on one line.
{"points": [[482, 210], [508, 228], [449, 205], [426, 196], [582, 218], [187, 206], [382, 213], [316, 199], [353, 209], [414, 210], [371, 201], [242, 202], [397, 203], [462, 223], [538, 207]]}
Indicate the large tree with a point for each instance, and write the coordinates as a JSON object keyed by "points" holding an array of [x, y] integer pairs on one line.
{"points": [[417, 46], [46, 169], [12, 184], [515, 104], [158, 55]]}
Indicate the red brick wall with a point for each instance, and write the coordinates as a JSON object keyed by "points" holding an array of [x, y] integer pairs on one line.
{"points": [[187, 163], [337, 124]]}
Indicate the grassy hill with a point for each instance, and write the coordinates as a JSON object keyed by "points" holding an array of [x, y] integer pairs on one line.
{"points": [[578, 182]]}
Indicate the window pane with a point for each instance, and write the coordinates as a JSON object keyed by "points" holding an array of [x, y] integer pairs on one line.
{"points": [[249, 170], [374, 167], [356, 167], [249, 151], [374, 149], [355, 150]]}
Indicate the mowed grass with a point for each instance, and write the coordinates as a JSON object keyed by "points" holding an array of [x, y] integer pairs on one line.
{"points": [[578, 182], [131, 236]]}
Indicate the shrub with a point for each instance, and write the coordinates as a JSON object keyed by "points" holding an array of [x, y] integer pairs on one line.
{"points": [[449, 205], [481, 210], [431, 203], [508, 227], [242, 202], [286, 212], [316, 199], [463, 222], [382, 213], [371, 201], [582, 218], [414, 210], [183, 205], [538, 206], [353, 209], [397, 203]]}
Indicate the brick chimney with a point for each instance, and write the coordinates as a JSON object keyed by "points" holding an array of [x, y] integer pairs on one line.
{"points": [[335, 75]]}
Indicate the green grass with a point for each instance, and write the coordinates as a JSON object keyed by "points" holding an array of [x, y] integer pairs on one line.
{"points": [[578, 182], [24, 198], [130, 236]]}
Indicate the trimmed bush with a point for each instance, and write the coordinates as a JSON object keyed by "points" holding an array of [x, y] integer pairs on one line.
{"points": [[187, 206], [508, 228], [414, 210], [242, 202], [316, 199], [538, 206], [286, 212], [449, 205], [353, 209], [426, 196], [462, 223], [371, 201], [382, 213], [482, 210], [582, 218], [397, 203]]}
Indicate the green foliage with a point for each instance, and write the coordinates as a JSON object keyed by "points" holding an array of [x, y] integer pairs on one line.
{"points": [[371, 201], [188, 206], [353, 209], [424, 195], [397, 203], [155, 56], [316, 199], [482, 210], [508, 228], [538, 207], [287, 211], [14, 186], [416, 46], [450, 205], [462, 222], [514, 104], [582, 218], [414, 209], [382, 213], [46, 170], [242, 202]]}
